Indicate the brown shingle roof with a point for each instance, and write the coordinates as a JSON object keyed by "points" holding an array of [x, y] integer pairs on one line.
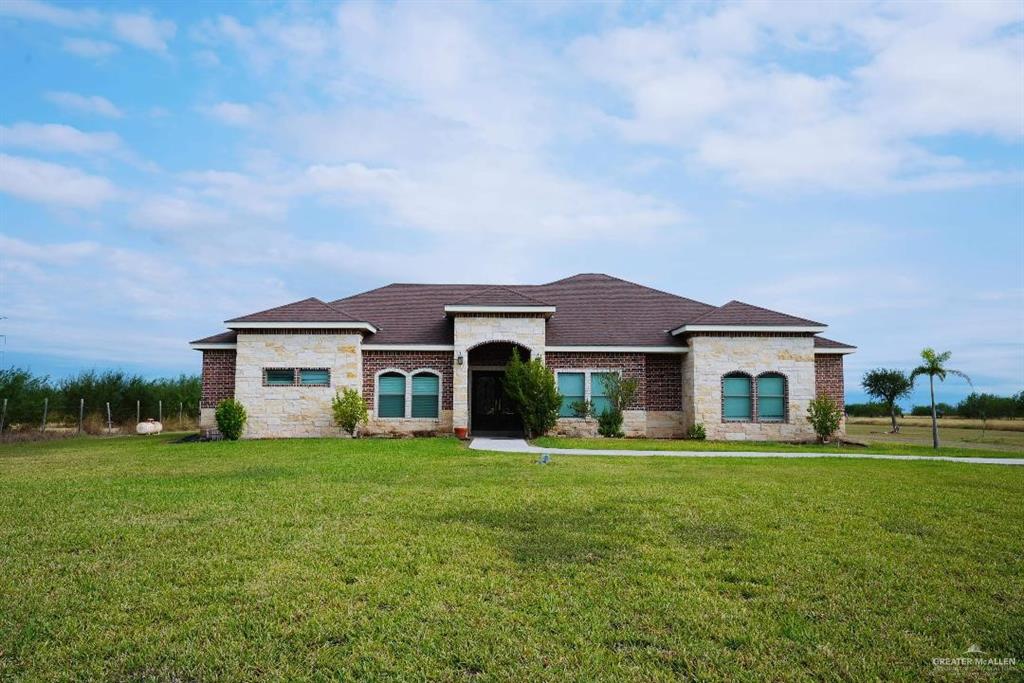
{"points": [[307, 311], [499, 295], [229, 337], [739, 313], [823, 343]]}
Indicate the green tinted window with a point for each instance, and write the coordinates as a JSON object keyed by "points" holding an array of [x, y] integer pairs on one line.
{"points": [[598, 396], [424, 395], [391, 395], [315, 377], [280, 376], [771, 398], [570, 386], [736, 398]]}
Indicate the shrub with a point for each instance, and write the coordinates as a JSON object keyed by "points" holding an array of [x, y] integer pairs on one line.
{"points": [[349, 410], [531, 388], [620, 392], [582, 408], [824, 416], [609, 424], [231, 418], [696, 432]]}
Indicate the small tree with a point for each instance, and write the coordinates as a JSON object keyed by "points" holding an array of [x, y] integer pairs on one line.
{"points": [[531, 388], [825, 416], [231, 418], [349, 410], [935, 366], [887, 386], [620, 392]]}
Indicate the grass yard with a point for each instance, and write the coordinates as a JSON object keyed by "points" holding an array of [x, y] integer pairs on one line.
{"points": [[135, 558], [962, 449], [951, 435]]}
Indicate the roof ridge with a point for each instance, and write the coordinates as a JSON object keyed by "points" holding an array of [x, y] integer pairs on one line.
{"points": [[605, 276], [731, 302], [506, 288]]}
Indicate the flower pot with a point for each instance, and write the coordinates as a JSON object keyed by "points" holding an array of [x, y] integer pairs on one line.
{"points": [[462, 432]]}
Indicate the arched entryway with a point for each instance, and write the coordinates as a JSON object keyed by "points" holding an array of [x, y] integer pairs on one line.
{"points": [[489, 409]]}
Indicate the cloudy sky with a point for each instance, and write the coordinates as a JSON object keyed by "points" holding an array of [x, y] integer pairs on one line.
{"points": [[164, 167]]}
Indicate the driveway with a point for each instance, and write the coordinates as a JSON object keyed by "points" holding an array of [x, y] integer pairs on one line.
{"points": [[505, 445]]}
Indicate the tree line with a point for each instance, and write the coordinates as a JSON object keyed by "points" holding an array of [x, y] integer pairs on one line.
{"points": [[27, 393], [976, 406]]}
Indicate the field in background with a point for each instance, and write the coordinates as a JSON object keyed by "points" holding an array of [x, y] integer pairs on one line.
{"points": [[953, 433], [136, 558]]}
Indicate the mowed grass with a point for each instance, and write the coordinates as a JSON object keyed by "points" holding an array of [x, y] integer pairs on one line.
{"points": [[974, 448], [134, 558]]}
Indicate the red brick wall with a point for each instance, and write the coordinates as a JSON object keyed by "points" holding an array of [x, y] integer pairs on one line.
{"points": [[828, 376], [375, 361], [218, 376], [664, 381], [631, 365]]}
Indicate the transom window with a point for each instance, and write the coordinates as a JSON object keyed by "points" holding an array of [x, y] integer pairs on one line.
{"points": [[736, 398], [290, 377], [401, 394]]}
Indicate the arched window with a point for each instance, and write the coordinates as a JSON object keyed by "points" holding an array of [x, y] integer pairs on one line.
{"points": [[425, 394], [771, 397], [391, 395], [736, 397]]}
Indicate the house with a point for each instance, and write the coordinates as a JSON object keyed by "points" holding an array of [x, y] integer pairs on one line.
{"points": [[430, 359]]}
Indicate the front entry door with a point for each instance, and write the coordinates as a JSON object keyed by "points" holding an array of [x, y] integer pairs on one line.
{"points": [[491, 410]]}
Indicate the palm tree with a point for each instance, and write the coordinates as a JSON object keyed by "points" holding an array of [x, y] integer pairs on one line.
{"points": [[935, 366]]}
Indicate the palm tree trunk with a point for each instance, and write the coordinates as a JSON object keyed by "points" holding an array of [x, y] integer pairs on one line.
{"points": [[892, 414], [935, 423]]}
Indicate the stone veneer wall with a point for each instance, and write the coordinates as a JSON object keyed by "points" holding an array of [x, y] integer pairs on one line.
{"points": [[218, 382], [408, 361], [474, 330], [712, 357], [290, 411]]}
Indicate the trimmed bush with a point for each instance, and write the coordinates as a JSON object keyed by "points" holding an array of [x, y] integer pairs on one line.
{"points": [[349, 410], [825, 416], [231, 418], [531, 388]]}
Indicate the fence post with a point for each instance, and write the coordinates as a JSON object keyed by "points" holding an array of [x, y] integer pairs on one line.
{"points": [[81, 414], [3, 417], [138, 411], [160, 411], [46, 408], [109, 426], [181, 408]]}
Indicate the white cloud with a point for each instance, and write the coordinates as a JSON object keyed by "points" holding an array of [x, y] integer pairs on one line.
{"points": [[55, 137], [88, 48], [231, 113], [176, 214], [91, 104], [55, 184], [144, 31], [33, 10], [51, 254]]}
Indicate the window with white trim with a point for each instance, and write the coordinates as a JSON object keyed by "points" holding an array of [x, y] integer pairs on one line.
{"points": [[577, 386], [426, 395], [391, 395]]}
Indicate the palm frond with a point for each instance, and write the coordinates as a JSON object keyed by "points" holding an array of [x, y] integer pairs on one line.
{"points": [[918, 371], [961, 375]]}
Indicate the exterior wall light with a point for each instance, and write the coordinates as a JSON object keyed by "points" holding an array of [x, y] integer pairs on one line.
{"points": [[459, 358]]}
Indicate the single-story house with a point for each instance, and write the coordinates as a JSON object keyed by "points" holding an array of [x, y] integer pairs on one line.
{"points": [[430, 358]]}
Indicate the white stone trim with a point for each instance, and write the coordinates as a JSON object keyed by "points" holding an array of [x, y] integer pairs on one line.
{"points": [[408, 374], [213, 347], [748, 328], [408, 347], [836, 349], [300, 325], [616, 349], [472, 308]]}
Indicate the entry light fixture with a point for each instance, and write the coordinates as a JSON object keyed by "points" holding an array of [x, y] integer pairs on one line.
{"points": [[459, 358]]}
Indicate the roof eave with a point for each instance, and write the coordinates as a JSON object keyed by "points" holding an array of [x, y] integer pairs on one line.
{"points": [[212, 346], [811, 329], [294, 325], [843, 350], [474, 308]]}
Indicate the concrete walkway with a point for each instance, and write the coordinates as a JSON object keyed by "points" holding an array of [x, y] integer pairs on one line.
{"points": [[506, 445]]}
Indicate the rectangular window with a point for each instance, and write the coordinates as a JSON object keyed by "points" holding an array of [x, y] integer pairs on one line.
{"points": [[424, 395], [570, 386], [598, 397], [318, 378], [391, 396], [771, 398], [736, 398], [280, 377]]}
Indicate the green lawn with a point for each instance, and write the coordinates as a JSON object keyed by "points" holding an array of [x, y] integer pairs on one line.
{"points": [[950, 435], [896, 448], [134, 558]]}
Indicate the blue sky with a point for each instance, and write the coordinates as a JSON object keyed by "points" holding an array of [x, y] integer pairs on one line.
{"points": [[164, 166]]}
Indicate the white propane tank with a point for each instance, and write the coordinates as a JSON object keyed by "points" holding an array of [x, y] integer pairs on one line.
{"points": [[150, 426]]}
